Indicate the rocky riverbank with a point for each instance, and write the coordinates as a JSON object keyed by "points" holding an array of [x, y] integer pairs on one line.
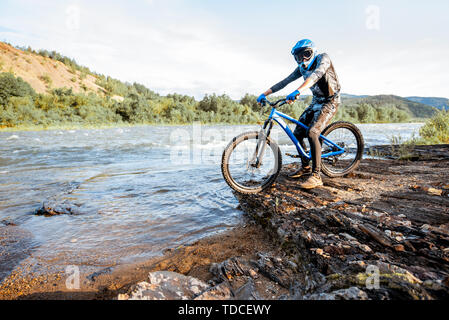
{"points": [[189, 260], [380, 233]]}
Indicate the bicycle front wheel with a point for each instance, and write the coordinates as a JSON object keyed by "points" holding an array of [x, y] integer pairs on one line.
{"points": [[241, 167], [349, 137]]}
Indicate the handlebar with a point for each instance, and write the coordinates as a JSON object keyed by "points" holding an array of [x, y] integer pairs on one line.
{"points": [[274, 104]]}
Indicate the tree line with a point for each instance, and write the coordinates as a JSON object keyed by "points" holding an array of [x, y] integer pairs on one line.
{"points": [[20, 106]]}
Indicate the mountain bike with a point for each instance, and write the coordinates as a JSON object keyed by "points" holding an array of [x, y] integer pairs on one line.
{"points": [[252, 161]]}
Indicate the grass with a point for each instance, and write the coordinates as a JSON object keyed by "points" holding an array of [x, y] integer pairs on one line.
{"points": [[46, 78], [83, 86], [403, 149], [72, 70], [83, 75], [434, 131]]}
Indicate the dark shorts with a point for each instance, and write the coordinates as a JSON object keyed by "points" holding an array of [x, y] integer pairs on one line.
{"points": [[316, 116]]}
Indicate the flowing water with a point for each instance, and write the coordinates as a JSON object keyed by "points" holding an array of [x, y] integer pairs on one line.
{"points": [[133, 191]]}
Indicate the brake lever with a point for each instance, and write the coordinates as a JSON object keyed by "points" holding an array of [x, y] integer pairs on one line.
{"points": [[263, 104]]}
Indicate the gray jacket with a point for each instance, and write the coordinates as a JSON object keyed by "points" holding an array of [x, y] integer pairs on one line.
{"points": [[325, 81]]}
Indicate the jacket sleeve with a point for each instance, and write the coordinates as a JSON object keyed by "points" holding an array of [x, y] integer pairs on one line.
{"points": [[292, 77], [322, 67]]}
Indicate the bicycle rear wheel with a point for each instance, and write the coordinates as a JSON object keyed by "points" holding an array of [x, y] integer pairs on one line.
{"points": [[240, 167], [349, 137]]}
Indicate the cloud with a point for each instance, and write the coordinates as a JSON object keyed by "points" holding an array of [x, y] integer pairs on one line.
{"points": [[4, 29], [172, 48], [181, 53]]}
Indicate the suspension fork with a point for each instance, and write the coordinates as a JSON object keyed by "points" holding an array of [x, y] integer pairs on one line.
{"points": [[256, 160]]}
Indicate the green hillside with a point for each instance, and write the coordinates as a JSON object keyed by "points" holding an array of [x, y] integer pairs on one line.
{"points": [[414, 109], [44, 89], [439, 103]]}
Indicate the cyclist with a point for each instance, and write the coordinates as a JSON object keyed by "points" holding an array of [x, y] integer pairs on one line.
{"points": [[319, 75]]}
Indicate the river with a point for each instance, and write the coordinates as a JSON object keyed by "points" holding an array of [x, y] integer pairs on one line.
{"points": [[135, 190]]}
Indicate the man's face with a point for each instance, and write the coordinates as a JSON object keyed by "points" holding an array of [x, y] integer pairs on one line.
{"points": [[303, 55]]}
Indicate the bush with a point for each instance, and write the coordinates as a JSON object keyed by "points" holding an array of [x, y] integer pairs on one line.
{"points": [[21, 111], [251, 101], [436, 129], [10, 86], [46, 78]]}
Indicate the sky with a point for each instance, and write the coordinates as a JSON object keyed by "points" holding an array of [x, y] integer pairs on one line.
{"points": [[235, 47]]}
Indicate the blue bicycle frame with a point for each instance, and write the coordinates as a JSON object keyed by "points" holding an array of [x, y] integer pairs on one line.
{"points": [[277, 116]]}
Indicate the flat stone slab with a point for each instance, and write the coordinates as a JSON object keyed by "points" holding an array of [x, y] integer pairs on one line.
{"points": [[167, 285]]}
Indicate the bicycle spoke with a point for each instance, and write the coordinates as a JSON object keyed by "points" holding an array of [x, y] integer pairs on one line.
{"points": [[344, 138], [242, 163]]}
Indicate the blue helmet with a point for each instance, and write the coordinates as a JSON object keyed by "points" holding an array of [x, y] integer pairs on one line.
{"points": [[304, 52]]}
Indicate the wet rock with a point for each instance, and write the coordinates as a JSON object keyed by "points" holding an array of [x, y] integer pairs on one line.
{"points": [[221, 291], [247, 292], [320, 296], [232, 268], [446, 282], [433, 191], [347, 236], [352, 293], [386, 268], [277, 269], [266, 278], [6, 222], [51, 208], [166, 285], [95, 275], [433, 284]]}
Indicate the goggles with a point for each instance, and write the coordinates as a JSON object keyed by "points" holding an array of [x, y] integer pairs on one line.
{"points": [[303, 54]]}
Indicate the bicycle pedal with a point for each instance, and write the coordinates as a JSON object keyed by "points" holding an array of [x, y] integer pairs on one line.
{"points": [[292, 155]]}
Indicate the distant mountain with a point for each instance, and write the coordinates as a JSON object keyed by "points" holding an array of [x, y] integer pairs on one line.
{"points": [[351, 96], [415, 109], [343, 95], [440, 103]]}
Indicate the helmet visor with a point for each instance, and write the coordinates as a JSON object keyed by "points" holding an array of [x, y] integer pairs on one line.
{"points": [[303, 54]]}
